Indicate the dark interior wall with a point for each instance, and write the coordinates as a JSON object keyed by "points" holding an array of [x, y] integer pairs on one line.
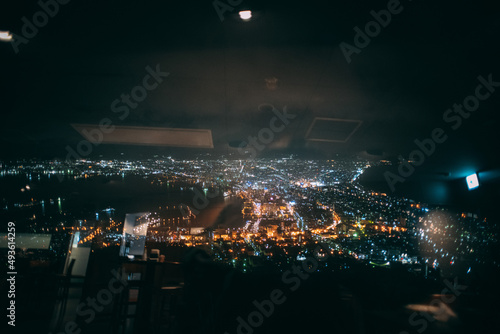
{"points": [[441, 190]]}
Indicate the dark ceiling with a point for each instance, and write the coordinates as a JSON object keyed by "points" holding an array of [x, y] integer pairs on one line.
{"points": [[225, 74]]}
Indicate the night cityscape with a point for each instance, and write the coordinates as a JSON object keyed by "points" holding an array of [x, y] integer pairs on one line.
{"points": [[271, 215], [250, 167]]}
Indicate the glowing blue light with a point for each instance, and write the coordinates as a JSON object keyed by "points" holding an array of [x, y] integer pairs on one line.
{"points": [[472, 181]]}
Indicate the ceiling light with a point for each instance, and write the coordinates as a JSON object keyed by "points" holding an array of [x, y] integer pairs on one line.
{"points": [[246, 14], [5, 36]]}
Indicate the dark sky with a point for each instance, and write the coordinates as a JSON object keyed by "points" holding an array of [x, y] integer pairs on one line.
{"points": [[427, 58]]}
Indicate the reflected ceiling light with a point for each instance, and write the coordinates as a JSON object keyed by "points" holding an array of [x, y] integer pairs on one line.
{"points": [[472, 181], [149, 136], [245, 14], [5, 36]]}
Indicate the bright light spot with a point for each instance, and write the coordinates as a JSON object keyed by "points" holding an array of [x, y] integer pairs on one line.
{"points": [[246, 14], [472, 181], [5, 36]]}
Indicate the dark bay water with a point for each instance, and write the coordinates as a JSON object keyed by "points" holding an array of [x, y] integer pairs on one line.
{"points": [[82, 198]]}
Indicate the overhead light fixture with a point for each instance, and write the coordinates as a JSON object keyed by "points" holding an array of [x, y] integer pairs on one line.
{"points": [[245, 14], [472, 181], [149, 136], [333, 130], [5, 36]]}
